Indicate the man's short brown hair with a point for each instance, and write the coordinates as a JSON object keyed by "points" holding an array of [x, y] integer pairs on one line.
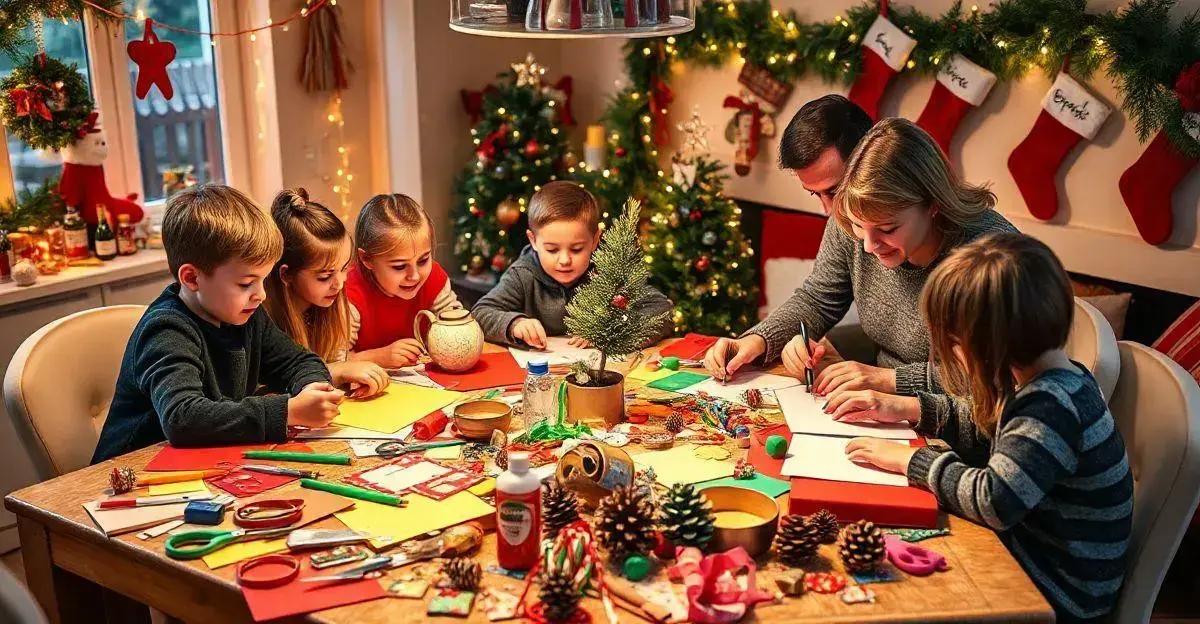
{"points": [[563, 201], [211, 224]]}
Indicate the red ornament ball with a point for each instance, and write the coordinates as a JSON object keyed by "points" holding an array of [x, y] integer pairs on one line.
{"points": [[702, 263], [620, 302], [532, 148], [620, 152], [696, 215], [499, 261]]}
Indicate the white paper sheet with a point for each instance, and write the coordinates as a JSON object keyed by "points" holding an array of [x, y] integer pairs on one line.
{"points": [[557, 352], [804, 414], [351, 433], [824, 457], [745, 380], [414, 375]]}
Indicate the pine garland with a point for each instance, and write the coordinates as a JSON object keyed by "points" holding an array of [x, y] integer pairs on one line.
{"points": [[18, 15], [39, 207]]}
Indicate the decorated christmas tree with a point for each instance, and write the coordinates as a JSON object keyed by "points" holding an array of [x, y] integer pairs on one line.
{"points": [[519, 146], [699, 256]]}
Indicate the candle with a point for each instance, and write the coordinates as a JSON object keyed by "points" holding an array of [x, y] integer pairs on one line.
{"points": [[736, 520], [595, 136], [594, 148]]}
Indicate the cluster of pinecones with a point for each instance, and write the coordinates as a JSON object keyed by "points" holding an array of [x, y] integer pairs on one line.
{"points": [[860, 544]]}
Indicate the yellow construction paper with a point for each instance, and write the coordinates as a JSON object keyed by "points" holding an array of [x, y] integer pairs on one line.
{"points": [[483, 488], [399, 406], [242, 551], [444, 452], [681, 465], [389, 525], [645, 374], [178, 488]]}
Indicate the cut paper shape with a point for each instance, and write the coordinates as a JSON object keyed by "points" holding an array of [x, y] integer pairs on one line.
{"points": [[804, 414], [178, 488], [171, 458], [642, 373], [299, 597], [493, 370], [690, 347], [681, 465], [117, 521], [317, 505], [743, 381], [399, 406], [678, 381], [389, 525], [243, 483], [414, 376], [558, 352], [445, 452], [824, 457], [759, 482], [351, 433]]}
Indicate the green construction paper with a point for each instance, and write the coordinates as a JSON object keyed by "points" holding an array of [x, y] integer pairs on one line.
{"points": [[678, 381], [759, 482]]}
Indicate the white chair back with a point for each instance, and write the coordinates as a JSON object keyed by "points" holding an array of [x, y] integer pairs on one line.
{"points": [[1093, 344]]}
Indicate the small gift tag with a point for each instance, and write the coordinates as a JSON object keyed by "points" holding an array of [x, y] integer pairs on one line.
{"points": [[451, 602], [413, 589]]}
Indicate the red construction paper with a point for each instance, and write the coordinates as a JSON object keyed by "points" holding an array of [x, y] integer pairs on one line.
{"points": [[230, 482], [690, 347], [174, 458], [298, 597], [430, 425], [491, 371]]}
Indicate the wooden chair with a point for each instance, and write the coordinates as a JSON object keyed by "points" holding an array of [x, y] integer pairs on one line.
{"points": [[1156, 405], [16, 603], [1093, 344], [60, 382]]}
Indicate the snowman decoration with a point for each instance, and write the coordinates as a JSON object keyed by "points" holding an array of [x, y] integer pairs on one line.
{"points": [[82, 184]]}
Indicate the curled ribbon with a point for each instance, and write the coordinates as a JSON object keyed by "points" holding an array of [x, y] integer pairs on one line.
{"points": [[660, 97], [732, 101]]}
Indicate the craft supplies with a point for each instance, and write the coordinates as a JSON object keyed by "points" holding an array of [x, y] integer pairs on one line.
{"points": [[658, 440], [680, 464], [269, 514], [204, 512], [317, 505], [743, 470], [388, 525], [777, 446], [913, 559], [413, 589], [558, 352], [805, 413], [498, 605], [878, 575], [312, 458], [367, 569], [455, 541], [742, 518], [179, 477], [400, 405], [297, 598], [808, 371], [170, 458], [305, 539], [677, 382], [857, 594], [181, 487], [268, 571], [416, 474], [451, 602], [691, 346], [196, 544], [476, 420], [149, 501], [720, 587], [430, 425], [493, 370], [283, 472], [159, 530], [351, 491], [917, 535], [791, 584], [242, 483], [824, 582], [635, 567], [394, 449], [518, 514], [593, 470], [824, 457], [122, 480], [117, 521]]}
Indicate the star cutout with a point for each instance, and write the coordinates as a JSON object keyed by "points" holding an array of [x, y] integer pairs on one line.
{"points": [[530, 72], [695, 136]]}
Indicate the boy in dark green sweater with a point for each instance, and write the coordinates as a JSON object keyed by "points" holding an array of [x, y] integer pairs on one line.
{"points": [[199, 353]]}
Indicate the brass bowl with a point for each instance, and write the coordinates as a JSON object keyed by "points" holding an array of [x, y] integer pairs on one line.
{"points": [[755, 535], [476, 420]]}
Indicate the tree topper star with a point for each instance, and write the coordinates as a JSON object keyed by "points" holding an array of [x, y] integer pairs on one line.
{"points": [[695, 136], [530, 72]]}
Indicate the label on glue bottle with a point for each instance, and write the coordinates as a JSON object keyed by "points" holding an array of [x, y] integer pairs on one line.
{"points": [[518, 515]]}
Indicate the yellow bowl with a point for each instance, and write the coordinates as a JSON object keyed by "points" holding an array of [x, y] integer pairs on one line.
{"points": [[744, 517], [476, 420]]}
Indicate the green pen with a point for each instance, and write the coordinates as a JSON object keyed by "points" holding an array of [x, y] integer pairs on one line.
{"points": [[312, 458], [351, 491]]}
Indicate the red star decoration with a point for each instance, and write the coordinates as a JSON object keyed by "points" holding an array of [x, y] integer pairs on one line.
{"points": [[152, 57]]}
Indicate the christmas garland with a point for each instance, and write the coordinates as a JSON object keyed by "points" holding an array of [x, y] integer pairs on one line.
{"points": [[39, 207], [18, 15], [45, 102]]}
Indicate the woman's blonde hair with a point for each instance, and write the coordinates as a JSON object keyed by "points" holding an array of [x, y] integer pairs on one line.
{"points": [[1003, 300], [384, 220], [312, 235], [897, 166]]}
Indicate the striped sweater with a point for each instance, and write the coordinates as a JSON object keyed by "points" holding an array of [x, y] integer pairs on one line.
{"points": [[1057, 489]]}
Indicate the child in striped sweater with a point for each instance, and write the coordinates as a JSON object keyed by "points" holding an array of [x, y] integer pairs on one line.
{"points": [[1057, 487]]}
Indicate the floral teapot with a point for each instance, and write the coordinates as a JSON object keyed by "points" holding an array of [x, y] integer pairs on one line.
{"points": [[454, 341]]}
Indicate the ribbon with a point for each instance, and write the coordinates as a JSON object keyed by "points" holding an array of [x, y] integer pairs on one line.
{"points": [[31, 101], [660, 97], [732, 101], [562, 91], [472, 102], [88, 126], [714, 595], [487, 147]]}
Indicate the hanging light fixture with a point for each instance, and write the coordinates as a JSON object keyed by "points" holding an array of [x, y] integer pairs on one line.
{"points": [[573, 19]]}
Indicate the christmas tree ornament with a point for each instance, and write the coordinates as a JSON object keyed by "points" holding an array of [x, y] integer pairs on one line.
{"points": [[885, 50], [499, 261], [687, 516], [702, 263], [462, 573], [827, 525], [663, 548], [532, 148], [624, 524], [45, 102], [695, 138], [122, 480], [620, 152], [620, 302], [695, 215], [1147, 186], [1069, 114], [674, 423], [529, 73], [960, 86], [796, 541], [709, 238], [861, 546], [558, 595], [24, 273], [152, 57], [560, 507], [636, 567], [508, 212]]}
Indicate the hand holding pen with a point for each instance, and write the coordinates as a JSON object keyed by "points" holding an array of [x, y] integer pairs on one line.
{"points": [[801, 355]]}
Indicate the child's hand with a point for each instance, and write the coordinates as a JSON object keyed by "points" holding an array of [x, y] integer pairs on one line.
{"points": [[582, 343], [851, 406], [530, 331], [884, 454], [315, 407], [403, 352], [848, 375], [367, 378]]}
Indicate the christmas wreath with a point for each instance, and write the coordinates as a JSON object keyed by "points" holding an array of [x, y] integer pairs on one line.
{"points": [[45, 102]]}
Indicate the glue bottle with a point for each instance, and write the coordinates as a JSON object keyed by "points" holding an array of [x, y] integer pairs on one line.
{"points": [[518, 514]]}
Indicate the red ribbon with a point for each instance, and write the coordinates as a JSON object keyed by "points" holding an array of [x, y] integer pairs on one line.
{"points": [[487, 147], [567, 86], [732, 101], [31, 101], [472, 102], [660, 98], [88, 126]]}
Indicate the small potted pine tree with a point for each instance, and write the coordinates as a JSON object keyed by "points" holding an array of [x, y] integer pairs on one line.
{"points": [[607, 312]]}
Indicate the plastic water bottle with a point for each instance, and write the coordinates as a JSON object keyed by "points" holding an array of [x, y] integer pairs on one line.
{"points": [[538, 396]]}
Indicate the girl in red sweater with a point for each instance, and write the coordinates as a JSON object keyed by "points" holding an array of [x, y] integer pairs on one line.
{"points": [[393, 278]]}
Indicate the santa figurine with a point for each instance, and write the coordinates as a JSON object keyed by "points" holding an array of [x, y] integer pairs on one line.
{"points": [[82, 183]]}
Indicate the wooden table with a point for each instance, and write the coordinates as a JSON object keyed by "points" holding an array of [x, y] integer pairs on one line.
{"points": [[72, 568]]}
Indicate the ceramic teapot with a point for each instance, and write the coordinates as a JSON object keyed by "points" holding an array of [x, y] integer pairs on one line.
{"points": [[454, 341]]}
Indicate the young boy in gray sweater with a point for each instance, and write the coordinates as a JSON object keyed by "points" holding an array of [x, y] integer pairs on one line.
{"points": [[530, 302]]}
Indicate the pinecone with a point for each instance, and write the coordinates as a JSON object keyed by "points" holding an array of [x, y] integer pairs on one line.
{"points": [[796, 541], [501, 459], [122, 480], [861, 546], [827, 525], [559, 596], [687, 516], [560, 507], [674, 423], [463, 573], [625, 523]]}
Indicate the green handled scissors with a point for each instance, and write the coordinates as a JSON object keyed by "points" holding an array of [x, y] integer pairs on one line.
{"points": [[196, 544]]}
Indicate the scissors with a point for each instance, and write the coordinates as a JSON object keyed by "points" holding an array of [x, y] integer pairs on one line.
{"points": [[360, 571], [196, 544], [394, 449]]}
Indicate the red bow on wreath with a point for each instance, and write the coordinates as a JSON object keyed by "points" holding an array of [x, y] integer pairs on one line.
{"points": [[660, 98], [487, 147], [1187, 88], [31, 101], [472, 102], [732, 101], [88, 126]]}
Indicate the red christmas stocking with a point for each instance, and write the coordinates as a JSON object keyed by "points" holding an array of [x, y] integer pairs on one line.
{"points": [[961, 85], [1069, 113], [1147, 187], [885, 50]]}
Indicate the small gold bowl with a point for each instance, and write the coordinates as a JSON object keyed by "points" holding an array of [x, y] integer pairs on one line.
{"points": [[744, 517], [476, 420]]}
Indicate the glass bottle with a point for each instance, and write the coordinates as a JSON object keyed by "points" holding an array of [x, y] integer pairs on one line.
{"points": [[106, 239], [126, 245]]}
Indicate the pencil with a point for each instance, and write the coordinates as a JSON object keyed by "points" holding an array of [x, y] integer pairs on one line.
{"points": [[178, 477], [350, 491], [312, 458], [808, 373]]}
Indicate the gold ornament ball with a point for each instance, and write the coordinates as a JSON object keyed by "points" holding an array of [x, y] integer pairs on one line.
{"points": [[508, 212], [476, 265]]}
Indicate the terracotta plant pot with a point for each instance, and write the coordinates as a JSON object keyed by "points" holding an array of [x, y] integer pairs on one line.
{"points": [[603, 402]]}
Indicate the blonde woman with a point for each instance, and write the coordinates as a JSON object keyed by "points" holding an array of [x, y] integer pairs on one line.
{"points": [[899, 211]]}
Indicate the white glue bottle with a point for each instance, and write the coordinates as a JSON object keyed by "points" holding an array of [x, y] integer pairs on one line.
{"points": [[518, 514]]}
